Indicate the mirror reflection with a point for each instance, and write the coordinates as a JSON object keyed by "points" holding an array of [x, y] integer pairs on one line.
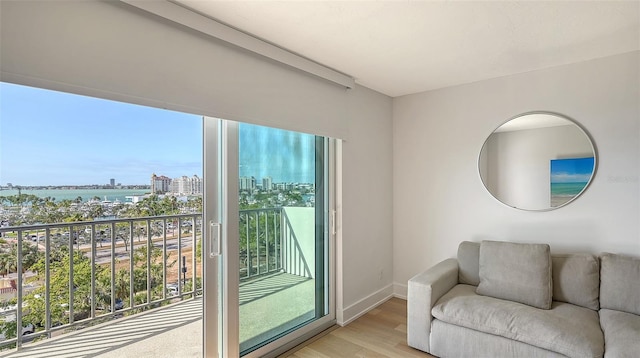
{"points": [[537, 161]]}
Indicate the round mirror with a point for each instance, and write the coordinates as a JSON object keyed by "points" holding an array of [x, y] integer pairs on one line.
{"points": [[537, 161]]}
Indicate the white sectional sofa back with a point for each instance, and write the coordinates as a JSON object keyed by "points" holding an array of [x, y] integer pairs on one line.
{"points": [[507, 299], [620, 305], [575, 277]]}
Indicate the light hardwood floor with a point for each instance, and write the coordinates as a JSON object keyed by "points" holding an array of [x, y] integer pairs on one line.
{"points": [[382, 332]]}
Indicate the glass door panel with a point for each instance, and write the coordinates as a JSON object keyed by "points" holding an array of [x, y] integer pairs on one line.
{"points": [[266, 249], [282, 251]]}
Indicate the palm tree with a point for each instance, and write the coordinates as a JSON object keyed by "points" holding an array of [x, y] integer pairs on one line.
{"points": [[75, 217], [195, 204], [45, 210], [169, 205], [122, 284], [96, 211], [30, 255], [8, 264], [123, 233], [9, 261]]}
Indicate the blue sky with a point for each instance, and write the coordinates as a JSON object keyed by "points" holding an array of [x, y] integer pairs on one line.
{"points": [[576, 170], [285, 156], [54, 138]]}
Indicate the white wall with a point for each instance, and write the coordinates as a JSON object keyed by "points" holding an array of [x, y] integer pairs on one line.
{"points": [[108, 50], [367, 206], [439, 199]]}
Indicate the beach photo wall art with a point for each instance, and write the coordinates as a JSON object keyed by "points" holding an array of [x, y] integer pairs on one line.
{"points": [[569, 177]]}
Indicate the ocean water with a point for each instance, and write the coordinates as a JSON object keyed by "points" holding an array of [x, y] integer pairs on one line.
{"points": [[567, 189], [85, 194]]}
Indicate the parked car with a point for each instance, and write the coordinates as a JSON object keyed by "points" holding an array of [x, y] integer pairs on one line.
{"points": [[26, 329], [119, 304], [172, 289]]}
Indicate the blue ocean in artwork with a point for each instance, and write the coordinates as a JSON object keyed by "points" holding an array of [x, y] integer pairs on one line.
{"points": [[567, 189], [569, 177]]}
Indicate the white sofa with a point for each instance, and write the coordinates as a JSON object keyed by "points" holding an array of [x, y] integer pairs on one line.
{"points": [[501, 299]]}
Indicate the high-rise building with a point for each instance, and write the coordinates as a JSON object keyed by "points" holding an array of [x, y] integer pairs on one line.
{"points": [[247, 183], [187, 185], [112, 182], [160, 184], [267, 183], [284, 186]]}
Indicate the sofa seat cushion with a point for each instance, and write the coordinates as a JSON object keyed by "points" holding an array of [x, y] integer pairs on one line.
{"points": [[621, 333], [567, 329]]}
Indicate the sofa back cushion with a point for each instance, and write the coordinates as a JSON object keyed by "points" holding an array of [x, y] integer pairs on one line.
{"points": [[620, 283], [576, 279], [516, 272], [468, 263]]}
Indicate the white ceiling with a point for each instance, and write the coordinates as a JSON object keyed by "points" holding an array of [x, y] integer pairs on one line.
{"points": [[404, 47]]}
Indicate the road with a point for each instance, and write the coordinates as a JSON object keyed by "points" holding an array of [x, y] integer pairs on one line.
{"points": [[103, 254]]}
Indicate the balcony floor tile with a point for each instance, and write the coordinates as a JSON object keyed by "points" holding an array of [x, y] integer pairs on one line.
{"points": [[176, 330]]}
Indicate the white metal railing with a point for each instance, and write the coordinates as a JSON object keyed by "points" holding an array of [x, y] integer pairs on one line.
{"points": [[101, 262], [260, 242], [119, 267]]}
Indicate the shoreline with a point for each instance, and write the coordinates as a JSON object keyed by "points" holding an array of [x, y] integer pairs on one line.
{"points": [[85, 194]]}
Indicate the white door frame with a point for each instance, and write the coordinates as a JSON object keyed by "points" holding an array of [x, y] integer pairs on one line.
{"points": [[221, 207]]}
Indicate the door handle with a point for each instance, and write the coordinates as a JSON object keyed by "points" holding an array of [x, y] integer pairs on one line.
{"points": [[214, 239]]}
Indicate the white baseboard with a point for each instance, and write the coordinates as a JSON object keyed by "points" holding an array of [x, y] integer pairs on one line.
{"points": [[400, 290], [354, 311]]}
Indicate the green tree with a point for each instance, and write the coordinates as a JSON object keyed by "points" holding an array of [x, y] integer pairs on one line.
{"points": [[9, 260], [45, 211], [154, 206], [95, 211], [74, 217], [123, 276], [194, 204], [60, 266], [30, 255], [9, 329], [8, 263]]}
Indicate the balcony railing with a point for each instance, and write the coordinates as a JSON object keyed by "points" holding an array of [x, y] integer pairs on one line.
{"points": [[80, 273], [67, 276], [260, 242], [269, 243]]}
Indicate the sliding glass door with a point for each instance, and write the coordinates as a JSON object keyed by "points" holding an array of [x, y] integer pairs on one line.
{"points": [[263, 238], [267, 202]]}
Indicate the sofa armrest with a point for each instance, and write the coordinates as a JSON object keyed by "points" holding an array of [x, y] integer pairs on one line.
{"points": [[423, 292]]}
